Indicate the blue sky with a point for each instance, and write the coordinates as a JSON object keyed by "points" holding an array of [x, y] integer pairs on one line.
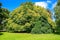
{"points": [[12, 4]]}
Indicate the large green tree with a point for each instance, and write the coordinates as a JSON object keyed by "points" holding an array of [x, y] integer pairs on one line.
{"points": [[24, 18], [57, 16]]}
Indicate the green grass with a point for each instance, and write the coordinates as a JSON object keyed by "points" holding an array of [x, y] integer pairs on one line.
{"points": [[25, 36]]}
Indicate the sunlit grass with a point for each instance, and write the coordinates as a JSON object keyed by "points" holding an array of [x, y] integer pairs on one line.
{"points": [[26, 36]]}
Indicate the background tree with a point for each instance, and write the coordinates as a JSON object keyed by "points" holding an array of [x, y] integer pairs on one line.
{"points": [[0, 5], [4, 13], [0, 18], [57, 16], [0, 11]]}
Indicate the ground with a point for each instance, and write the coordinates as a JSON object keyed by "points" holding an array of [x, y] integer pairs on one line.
{"points": [[26, 36]]}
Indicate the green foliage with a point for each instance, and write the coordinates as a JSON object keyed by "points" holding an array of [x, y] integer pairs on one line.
{"points": [[4, 13], [42, 26], [24, 17], [1, 27], [58, 26], [58, 4], [14, 27], [57, 16]]}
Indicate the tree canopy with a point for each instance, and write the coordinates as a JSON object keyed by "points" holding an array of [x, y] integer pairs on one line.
{"points": [[24, 18]]}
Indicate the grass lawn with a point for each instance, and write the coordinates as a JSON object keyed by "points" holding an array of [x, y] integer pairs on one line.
{"points": [[25, 36]]}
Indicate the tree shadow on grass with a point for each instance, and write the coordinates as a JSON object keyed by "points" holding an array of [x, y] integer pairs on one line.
{"points": [[57, 33], [1, 33]]}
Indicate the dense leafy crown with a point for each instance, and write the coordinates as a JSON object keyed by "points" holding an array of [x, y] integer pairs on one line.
{"points": [[26, 15]]}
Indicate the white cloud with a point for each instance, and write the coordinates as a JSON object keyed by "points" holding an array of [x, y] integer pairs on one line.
{"points": [[54, 5], [42, 4], [48, 1]]}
